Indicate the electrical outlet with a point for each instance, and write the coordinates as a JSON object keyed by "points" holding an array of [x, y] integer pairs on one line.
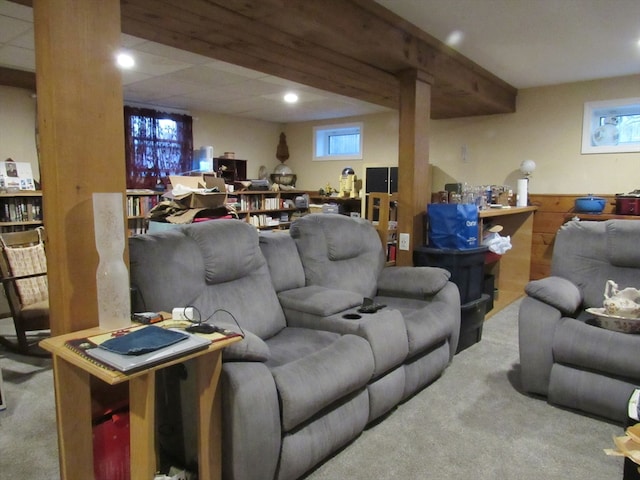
{"points": [[182, 313], [404, 241]]}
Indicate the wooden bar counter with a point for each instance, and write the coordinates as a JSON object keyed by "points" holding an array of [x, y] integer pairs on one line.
{"points": [[512, 270]]}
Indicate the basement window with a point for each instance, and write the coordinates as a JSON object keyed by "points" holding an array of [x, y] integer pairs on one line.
{"points": [[338, 142], [611, 126]]}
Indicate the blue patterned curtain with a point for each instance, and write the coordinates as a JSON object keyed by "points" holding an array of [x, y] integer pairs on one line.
{"points": [[157, 144]]}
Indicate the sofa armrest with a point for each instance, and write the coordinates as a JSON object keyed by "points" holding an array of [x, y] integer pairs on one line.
{"points": [[557, 292], [250, 349], [251, 428], [317, 301], [413, 282]]}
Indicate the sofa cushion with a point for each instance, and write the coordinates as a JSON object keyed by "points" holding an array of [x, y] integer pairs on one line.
{"points": [[428, 324], [281, 254], [228, 253], [622, 252], [313, 369], [588, 347], [339, 252]]}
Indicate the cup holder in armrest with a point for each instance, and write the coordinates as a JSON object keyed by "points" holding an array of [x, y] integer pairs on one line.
{"points": [[351, 316]]}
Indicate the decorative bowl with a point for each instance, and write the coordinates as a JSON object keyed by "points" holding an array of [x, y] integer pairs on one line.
{"points": [[615, 322], [590, 204]]}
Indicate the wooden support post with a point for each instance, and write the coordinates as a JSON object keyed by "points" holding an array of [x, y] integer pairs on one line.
{"points": [[414, 178], [81, 132]]}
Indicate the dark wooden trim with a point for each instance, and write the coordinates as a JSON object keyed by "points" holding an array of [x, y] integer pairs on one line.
{"points": [[17, 78]]}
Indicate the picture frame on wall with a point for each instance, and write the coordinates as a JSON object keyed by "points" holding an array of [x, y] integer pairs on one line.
{"points": [[16, 175]]}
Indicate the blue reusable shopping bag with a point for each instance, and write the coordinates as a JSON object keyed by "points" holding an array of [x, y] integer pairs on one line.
{"points": [[452, 226]]}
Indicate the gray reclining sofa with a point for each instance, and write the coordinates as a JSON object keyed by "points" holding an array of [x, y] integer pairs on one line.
{"points": [[564, 355], [304, 381]]}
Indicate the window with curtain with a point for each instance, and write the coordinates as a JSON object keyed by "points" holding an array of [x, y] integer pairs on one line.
{"points": [[157, 144]]}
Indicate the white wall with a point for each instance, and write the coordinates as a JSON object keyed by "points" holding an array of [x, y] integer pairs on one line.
{"points": [[251, 140], [18, 127], [380, 146], [547, 128]]}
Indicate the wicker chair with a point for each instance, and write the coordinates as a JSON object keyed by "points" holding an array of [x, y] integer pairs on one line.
{"points": [[23, 272]]}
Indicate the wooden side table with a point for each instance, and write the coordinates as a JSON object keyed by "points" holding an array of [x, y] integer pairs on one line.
{"points": [[72, 374]]}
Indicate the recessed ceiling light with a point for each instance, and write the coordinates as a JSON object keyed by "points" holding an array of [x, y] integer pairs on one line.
{"points": [[125, 60], [455, 38], [290, 97]]}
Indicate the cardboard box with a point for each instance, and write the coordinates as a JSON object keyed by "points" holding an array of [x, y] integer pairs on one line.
{"points": [[200, 199]]}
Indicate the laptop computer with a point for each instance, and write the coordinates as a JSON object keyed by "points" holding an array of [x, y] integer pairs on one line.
{"points": [[131, 363]]}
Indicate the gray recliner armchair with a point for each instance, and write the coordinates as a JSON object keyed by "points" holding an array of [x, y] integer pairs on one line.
{"points": [[564, 354]]}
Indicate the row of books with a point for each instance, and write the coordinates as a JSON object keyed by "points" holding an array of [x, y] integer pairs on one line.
{"points": [[254, 202], [140, 206], [21, 209], [263, 221]]}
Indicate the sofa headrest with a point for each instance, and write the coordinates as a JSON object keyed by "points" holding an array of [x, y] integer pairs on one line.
{"points": [[345, 237], [285, 266], [229, 249], [176, 279], [622, 247]]}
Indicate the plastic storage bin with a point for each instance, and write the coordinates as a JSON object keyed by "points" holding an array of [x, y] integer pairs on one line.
{"points": [[471, 322], [466, 268]]}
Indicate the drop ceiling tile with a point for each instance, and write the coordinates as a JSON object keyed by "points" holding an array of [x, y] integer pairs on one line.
{"points": [[173, 53], [16, 57], [235, 69], [11, 28], [26, 40], [14, 10], [155, 64]]}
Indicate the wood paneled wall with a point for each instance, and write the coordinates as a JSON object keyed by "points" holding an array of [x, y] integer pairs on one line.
{"points": [[553, 211]]}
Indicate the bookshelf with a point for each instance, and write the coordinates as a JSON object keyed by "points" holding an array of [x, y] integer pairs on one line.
{"points": [[382, 212], [20, 210], [265, 209], [139, 203]]}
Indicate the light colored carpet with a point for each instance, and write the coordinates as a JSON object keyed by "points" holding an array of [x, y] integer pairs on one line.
{"points": [[473, 423]]}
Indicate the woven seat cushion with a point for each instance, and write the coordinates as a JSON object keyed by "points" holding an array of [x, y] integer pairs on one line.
{"points": [[29, 261]]}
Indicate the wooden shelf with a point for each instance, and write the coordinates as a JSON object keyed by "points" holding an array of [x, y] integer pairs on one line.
{"points": [[73, 406], [139, 204], [253, 203], [20, 210]]}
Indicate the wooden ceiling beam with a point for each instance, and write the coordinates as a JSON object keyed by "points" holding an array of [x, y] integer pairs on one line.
{"points": [[349, 47], [209, 30], [17, 78]]}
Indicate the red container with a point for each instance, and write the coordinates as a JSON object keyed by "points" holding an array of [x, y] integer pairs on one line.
{"points": [[111, 457], [627, 204]]}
